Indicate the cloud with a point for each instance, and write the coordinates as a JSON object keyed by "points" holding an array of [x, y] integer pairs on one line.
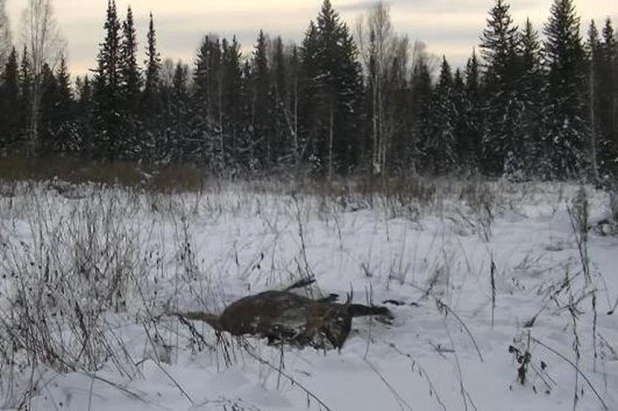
{"points": [[450, 27]]}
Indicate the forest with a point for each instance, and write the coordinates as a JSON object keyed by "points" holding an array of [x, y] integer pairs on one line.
{"points": [[349, 100]]}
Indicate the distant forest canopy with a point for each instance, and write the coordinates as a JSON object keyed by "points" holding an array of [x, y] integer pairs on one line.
{"points": [[530, 103]]}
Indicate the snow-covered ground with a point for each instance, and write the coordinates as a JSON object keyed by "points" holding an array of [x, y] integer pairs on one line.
{"points": [[484, 271]]}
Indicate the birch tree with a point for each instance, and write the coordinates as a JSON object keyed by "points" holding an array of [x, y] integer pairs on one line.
{"points": [[45, 44], [384, 55], [5, 36]]}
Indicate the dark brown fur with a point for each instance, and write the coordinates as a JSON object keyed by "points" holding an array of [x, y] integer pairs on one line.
{"points": [[285, 317]]}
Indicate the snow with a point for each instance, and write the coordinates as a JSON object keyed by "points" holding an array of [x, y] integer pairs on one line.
{"points": [[201, 251]]}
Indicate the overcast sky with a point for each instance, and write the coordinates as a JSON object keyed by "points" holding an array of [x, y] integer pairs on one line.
{"points": [[450, 27]]}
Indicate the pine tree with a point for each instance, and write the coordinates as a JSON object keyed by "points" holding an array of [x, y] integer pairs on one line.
{"points": [[567, 128]]}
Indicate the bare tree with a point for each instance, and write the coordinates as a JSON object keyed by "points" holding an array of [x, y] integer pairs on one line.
{"points": [[384, 55], [167, 73], [5, 35], [45, 45]]}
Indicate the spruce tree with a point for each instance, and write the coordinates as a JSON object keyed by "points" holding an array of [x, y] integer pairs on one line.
{"points": [[132, 144], [25, 100], [262, 108], [421, 91], [567, 124], [129, 69], [84, 117], [499, 46], [441, 146], [9, 103], [49, 126], [282, 121], [234, 108], [531, 87], [607, 97], [333, 76], [472, 126], [595, 60], [206, 142], [307, 147], [107, 96], [152, 102], [180, 113], [67, 137]]}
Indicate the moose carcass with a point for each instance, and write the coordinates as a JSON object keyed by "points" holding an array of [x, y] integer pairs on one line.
{"points": [[288, 318]]}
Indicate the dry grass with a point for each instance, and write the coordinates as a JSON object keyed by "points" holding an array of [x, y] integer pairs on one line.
{"points": [[167, 179]]}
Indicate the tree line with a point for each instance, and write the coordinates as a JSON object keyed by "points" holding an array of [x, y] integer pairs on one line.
{"points": [[361, 100]]}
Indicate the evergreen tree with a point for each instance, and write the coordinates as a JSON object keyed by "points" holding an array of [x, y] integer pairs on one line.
{"points": [[594, 95], [308, 127], [262, 107], [131, 143], [25, 100], [470, 132], [234, 107], [441, 145], [151, 107], [48, 143], [567, 128], [607, 97], [107, 94], [206, 143], [421, 92], [129, 70], [282, 121], [499, 45], [333, 77], [58, 134], [179, 115], [459, 102], [532, 96], [9, 103], [152, 103], [84, 118], [67, 136]]}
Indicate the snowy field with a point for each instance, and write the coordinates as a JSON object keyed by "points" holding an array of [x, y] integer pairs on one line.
{"points": [[496, 282]]}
